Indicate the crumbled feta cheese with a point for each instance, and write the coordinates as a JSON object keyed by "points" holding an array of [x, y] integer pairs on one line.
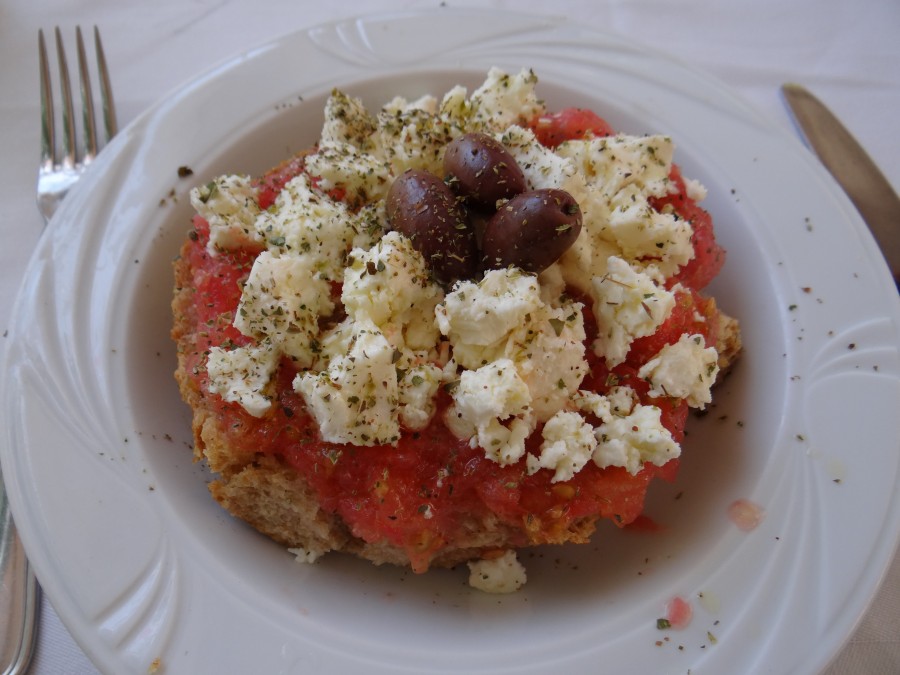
{"points": [[417, 389], [552, 284], [643, 233], [695, 189], [611, 163], [548, 350], [228, 204], [634, 439], [587, 258], [282, 301], [622, 173], [354, 400], [504, 99], [541, 167], [504, 316], [628, 304], [241, 375], [497, 575], [398, 104], [486, 398], [305, 220], [333, 342], [455, 108], [346, 121], [568, 443], [686, 369], [621, 400], [390, 285], [590, 402], [414, 139], [479, 317], [305, 555], [363, 176], [630, 434]]}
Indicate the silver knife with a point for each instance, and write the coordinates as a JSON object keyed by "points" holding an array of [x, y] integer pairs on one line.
{"points": [[854, 170]]}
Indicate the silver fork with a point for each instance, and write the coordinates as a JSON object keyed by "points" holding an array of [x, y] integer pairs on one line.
{"points": [[19, 591], [57, 173]]}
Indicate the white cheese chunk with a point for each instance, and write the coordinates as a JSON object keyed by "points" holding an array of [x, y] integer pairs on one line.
{"points": [[455, 108], [485, 399], [355, 399], [390, 285], [305, 220], [241, 375], [568, 444], [686, 369], [645, 234], [619, 401], [695, 189], [628, 304], [590, 402], [478, 317], [417, 390], [413, 139], [346, 121], [497, 575], [398, 104], [541, 167], [549, 353], [305, 555], [611, 163], [630, 434], [364, 177], [504, 317], [282, 301], [622, 173], [504, 99], [634, 439], [587, 258], [228, 204], [334, 342]]}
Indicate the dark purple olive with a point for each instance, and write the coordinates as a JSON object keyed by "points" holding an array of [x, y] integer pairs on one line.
{"points": [[481, 169], [532, 230], [422, 207]]}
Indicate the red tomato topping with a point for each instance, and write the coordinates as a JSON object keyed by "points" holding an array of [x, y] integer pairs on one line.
{"points": [[679, 613], [708, 255], [569, 124], [645, 524], [270, 185]]}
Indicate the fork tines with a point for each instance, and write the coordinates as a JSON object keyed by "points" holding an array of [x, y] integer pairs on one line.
{"points": [[90, 142]]}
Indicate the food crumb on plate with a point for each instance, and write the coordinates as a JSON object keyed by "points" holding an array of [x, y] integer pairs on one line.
{"points": [[679, 613], [746, 515]]}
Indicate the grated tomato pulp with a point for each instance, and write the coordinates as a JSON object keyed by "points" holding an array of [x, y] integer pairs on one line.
{"points": [[421, 494]]}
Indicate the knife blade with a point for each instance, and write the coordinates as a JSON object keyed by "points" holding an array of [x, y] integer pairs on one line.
{"points": [[853, 169]]}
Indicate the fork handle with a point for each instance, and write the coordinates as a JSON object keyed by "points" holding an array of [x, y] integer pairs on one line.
{"points": [[18, 598]]}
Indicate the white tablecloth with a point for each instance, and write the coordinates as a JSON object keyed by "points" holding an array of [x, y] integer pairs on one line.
{"points": [[847, 51]]}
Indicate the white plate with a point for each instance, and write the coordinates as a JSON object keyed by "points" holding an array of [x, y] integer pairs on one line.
{"points": [[142, 564]]}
